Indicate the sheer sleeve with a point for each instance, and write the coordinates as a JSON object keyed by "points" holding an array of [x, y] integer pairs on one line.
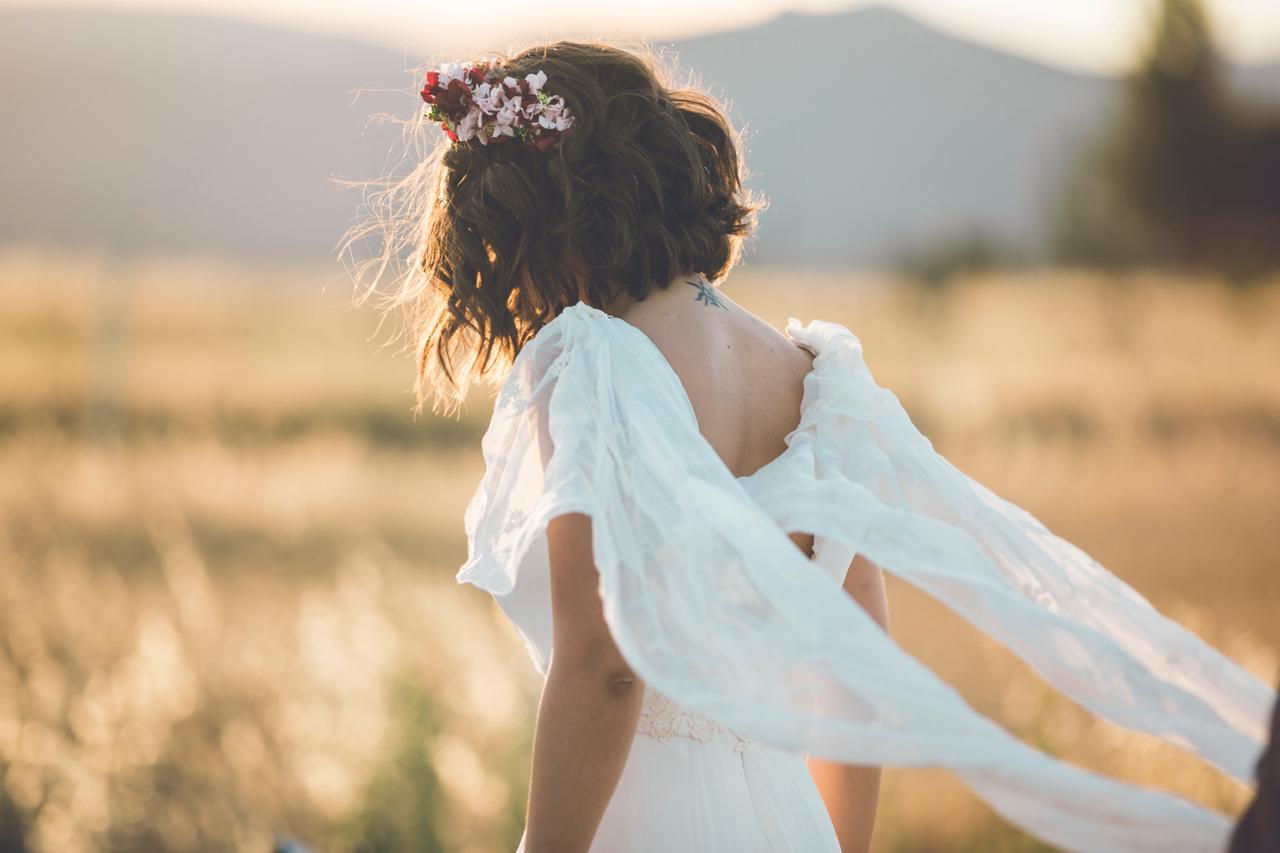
{"points": [[713, 605]]}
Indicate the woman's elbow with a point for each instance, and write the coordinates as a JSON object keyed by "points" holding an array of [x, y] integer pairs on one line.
{"points": [[620, 683], [597, 662]]}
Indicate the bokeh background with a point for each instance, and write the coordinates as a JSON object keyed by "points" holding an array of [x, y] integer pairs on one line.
{"points": [[228, 617]]}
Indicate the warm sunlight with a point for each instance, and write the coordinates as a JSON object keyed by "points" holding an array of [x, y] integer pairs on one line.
{"points": [[840, 427], [1093, 35]]}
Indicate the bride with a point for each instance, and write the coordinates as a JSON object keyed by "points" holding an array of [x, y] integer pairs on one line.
{"points": [[686, 513]]}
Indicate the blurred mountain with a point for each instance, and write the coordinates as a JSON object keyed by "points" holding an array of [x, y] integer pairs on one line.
{"points": [[872, 133], [869, 132], [185, 134], [1257, 83]]}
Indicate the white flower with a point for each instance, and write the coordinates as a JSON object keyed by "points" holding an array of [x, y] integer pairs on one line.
{"points": [[471, 126], [451, 71], [488, 98], [501, 109]]}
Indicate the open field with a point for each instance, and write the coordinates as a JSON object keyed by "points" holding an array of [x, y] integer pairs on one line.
{"points": [[227, 607]]}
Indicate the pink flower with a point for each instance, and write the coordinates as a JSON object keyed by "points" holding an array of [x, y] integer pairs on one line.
{"points": [[509, 114], [555, 115], [505, 121], [470, 107]]}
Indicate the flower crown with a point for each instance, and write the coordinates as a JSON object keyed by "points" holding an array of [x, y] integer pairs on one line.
{"points": [[478, 102]]}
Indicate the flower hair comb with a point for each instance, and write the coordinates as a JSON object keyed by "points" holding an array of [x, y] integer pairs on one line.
{"points": [[478, 102]]}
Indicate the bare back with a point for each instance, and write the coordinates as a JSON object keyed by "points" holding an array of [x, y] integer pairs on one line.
{"points": [[744, 378]]}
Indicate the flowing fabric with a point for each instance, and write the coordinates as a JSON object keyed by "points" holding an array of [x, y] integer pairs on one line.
{"points": [[713, 605]]}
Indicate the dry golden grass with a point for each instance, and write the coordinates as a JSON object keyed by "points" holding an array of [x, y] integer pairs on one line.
{"points": [[227, 610]]}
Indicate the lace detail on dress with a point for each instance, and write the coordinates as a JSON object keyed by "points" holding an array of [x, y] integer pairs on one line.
{"points": [[661, 718]]}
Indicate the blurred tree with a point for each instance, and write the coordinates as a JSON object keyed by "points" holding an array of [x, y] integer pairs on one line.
{"points": [[1172, 141], [937, 262], [1181, 176]]}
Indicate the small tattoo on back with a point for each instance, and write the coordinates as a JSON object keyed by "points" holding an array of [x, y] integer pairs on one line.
{"points": [[706, 294]]}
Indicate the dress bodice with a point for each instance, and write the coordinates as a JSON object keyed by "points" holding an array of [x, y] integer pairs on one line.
{"points": [[662, 718]]}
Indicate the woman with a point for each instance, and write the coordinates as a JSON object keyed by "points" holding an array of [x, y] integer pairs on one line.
{"points": [[686, 513], [1258, 829]]}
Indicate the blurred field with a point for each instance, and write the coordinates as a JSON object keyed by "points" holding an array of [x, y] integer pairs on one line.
{"points": [[227, 607]]}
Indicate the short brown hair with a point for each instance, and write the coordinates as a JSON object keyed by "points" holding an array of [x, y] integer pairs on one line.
{"points": [[646, 186]]}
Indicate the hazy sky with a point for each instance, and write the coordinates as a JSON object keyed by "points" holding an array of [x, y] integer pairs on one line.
{"points": [[1088, 34]]}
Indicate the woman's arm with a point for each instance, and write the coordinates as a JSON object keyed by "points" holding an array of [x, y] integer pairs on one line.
{"points": [[851, 792], [590, 703]]}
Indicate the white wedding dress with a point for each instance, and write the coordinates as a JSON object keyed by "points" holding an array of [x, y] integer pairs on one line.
{"points": [[753, 655], [692, 786]]}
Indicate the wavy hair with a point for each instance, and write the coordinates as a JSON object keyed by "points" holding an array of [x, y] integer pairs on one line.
{"points": [[485, 244]]}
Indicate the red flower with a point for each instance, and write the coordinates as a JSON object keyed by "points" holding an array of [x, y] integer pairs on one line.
{"points": [[456, 97], [452, 102], [429, 89]]}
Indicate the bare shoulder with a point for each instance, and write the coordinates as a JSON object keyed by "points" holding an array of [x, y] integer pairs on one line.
{"points": [[701, 330]]}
